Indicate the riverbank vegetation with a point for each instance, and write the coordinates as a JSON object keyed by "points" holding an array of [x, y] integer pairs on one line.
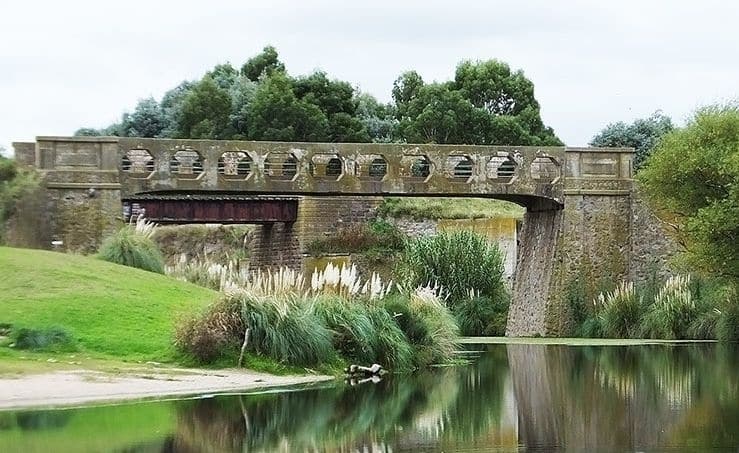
{"points": [[682, 307], [335, 318], [702, 161], [469, 272]]}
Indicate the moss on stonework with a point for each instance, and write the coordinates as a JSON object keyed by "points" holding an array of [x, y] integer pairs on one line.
{"points": [[82, 224]]}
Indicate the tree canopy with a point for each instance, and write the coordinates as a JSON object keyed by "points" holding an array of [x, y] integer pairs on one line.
{"points": [[642, 135], [692, 177], [265, 63], [486, 103]]}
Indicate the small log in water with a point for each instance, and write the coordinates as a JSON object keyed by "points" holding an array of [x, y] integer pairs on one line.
{"points": [[374, 369]]}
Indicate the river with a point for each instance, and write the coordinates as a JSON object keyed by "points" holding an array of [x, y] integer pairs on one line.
{"points": [[509, 397]]}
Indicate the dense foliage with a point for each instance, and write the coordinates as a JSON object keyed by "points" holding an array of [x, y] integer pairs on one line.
{"points": [[642, 135], [15, 183], [469, 271], [692, 178], [486, 103]]}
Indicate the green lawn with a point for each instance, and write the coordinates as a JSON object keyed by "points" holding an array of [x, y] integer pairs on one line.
{"points": [[112, 311]]}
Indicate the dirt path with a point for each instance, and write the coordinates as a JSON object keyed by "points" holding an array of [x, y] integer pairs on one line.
{"points": [[63, 388]]}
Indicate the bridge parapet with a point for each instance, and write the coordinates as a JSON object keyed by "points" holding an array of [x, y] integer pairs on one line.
{"points": [[532, 176], [599, 171]]}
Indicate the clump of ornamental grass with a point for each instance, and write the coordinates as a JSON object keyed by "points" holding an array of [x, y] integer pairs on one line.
{"points": [[209, 274], [286, 329], [459, 262], [428, 324], [670, 315], [133, 246], [391, 345], [345, 282], [274, 314], [619, 311], [354, 331], [727, 327], [480, 315]]}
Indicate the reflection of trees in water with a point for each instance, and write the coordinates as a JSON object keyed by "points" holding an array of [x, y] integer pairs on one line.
{"points": [[329, 417], [713, 418], [479, 402], [621, 397], [446, 405]]}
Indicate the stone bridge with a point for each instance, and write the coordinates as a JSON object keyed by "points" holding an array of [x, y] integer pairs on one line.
{"points": [[580, 206]]}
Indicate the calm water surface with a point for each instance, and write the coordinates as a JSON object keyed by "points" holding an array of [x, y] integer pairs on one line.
{"points": [[511, 398]]}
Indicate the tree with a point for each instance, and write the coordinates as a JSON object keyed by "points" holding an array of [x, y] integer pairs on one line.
{"points": [[692, 177], [490, 85], [277, 114], [265, 63], [88, 132], [436, 114], [205, 112], [336, 100], [224, 75], [378, 119], [172, 107], [405, 89], [642, 135], [147, 120], [242, 94], [485, 104]]}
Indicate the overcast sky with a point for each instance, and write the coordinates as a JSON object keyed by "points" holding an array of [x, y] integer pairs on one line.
{"points": [[64, 65]]}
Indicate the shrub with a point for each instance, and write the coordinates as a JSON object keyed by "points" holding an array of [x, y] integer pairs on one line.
{"points": [[132, 246], [377, 237], [620, 312], [214, 333], [460, 262], [53, 339], [478, 315]]}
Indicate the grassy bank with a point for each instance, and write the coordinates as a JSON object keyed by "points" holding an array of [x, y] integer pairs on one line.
{"points": [[110, 310], [448, 208]]}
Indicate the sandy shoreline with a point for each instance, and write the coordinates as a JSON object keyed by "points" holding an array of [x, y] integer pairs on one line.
{"points": [[76, 387]]}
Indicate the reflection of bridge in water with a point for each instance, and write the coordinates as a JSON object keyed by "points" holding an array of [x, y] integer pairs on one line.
{"points": [[578, 200]]}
